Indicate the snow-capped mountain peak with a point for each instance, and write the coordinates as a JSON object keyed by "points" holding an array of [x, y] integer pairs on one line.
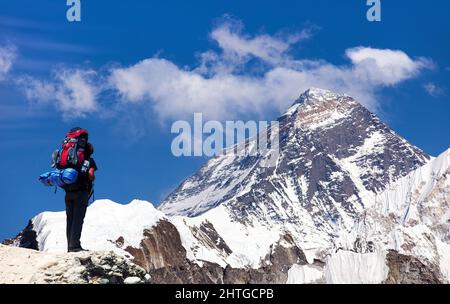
{"points": [[317, 95], [317, 108], [334, 153], [313, 97]]}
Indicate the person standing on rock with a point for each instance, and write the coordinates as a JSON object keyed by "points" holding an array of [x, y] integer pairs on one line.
{"points": [[76, 153]]}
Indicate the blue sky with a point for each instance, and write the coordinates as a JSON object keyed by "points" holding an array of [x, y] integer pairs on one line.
{"points": [[228, 59]]}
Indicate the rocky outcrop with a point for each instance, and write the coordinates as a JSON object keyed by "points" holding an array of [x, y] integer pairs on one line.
{"points": [[282, 256], [109, 268], [26, 238], [161, 247], [404, 269], [274, 268], [20, 265], [286, 253], [209, 237]]}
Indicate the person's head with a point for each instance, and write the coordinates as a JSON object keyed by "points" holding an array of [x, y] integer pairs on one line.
{"points": [[79, 132]]}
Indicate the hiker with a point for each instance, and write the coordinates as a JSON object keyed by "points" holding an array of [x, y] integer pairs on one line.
{"points": [[77, 153]]}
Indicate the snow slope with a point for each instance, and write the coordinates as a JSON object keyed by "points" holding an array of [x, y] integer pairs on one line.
{"points": [[346, 267], [105, 222], [305, 274]]}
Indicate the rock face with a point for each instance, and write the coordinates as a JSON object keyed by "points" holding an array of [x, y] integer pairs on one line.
{"points": [[347, 201], [27, 238], [208, 236], [405, 269], [161, 247]]}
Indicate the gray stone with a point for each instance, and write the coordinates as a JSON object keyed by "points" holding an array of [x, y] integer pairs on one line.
{"points": [[132, 280]]}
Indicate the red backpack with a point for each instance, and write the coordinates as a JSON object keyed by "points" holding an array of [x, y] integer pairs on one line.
{"points": [[73, 152]]}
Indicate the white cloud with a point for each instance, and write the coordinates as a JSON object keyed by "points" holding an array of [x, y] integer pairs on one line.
{"points": [[432, 89], [219, 93], [7, 56], [384, 66], [238, 46], [73, 92], [227, 84], [175, 93]]}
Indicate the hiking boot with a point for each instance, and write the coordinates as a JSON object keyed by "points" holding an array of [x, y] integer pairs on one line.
{"points": [[77, 250]]}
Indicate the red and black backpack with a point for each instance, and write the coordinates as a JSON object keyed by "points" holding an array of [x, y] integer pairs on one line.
{"points": [[73, 152]]}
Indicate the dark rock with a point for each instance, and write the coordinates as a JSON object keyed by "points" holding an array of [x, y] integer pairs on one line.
{"points": [[404, 269], [27, 238], [209, 237], [273, 270], [95, 269], [161, 247]]}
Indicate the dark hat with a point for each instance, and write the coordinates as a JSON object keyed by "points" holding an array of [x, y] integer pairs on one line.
{"points": [[78, 132]]}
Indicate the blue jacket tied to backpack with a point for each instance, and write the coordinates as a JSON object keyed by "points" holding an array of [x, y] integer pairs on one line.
{"points": [[59, 177]]}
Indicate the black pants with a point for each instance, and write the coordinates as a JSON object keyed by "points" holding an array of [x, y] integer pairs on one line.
{"points": [[76, 205]]}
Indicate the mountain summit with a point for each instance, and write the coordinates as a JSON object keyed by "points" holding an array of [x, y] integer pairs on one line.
{"points": [[348, 201], [333, 154]]}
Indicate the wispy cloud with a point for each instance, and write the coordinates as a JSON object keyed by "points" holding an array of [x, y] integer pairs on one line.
{"points": [[7, 56], [42, 44], [17, 32], [433, 89], [72, 91], [238, 47], [224, 83]]}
